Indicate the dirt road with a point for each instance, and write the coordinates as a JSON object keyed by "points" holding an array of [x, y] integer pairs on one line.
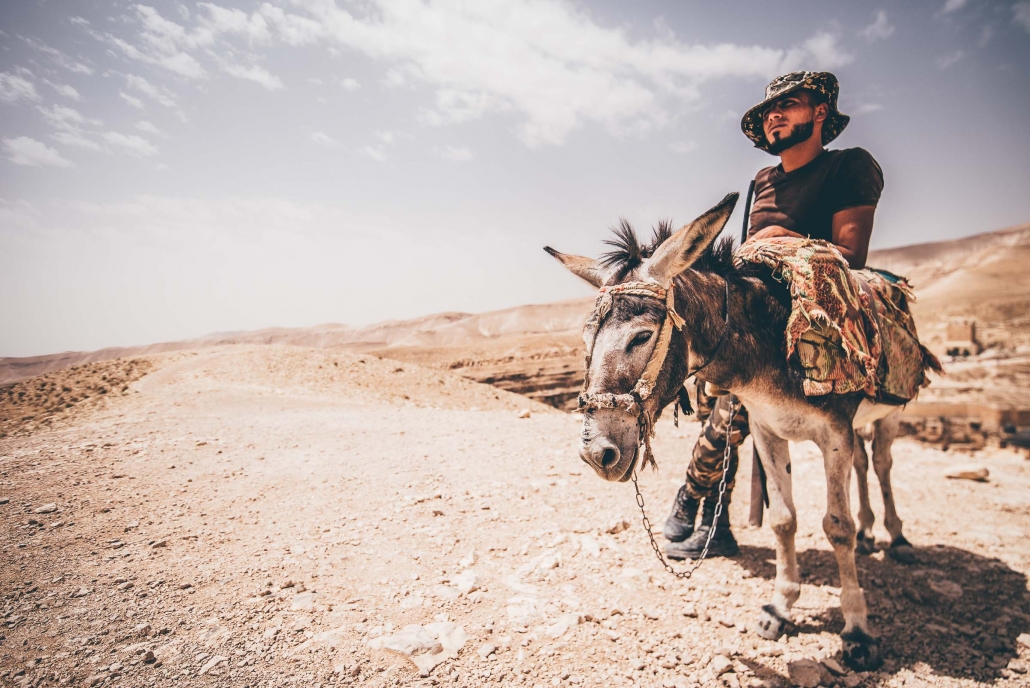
{"points": [[274, 516]]}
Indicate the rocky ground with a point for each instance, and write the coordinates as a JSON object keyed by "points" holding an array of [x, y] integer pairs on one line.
{"points": [[274, 516]]}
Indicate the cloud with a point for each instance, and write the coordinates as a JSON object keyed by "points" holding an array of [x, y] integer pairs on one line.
{"points": [[66, 91], [456, 154], [683, 147], [350, 84], [136, 146], [162, 43], [132, 100], [62, 117], [145, 126], [314, 81], [948, 60], [14, 88], [866, 108], [953, 6], [880, 29], [220, 20], [1021, 15], [258, 75], [59, 57], [575, 73], [821, 51], [76, 139], [33, 153], [323, 139], [375, 152], [148, 89]]}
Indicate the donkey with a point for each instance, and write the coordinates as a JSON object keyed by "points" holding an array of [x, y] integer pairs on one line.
{"points": [[680, 307]]}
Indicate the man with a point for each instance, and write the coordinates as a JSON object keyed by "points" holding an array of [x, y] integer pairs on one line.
{"points": [[813, 192]]}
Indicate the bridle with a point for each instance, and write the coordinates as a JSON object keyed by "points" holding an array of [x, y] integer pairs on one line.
{"points": [[641, 400]]}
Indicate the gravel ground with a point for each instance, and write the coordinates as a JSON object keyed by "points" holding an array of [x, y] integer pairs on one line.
{"points": [[275, 516]]}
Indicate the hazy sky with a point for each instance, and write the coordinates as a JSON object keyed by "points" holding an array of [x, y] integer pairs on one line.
{"points": [[171, 170]]}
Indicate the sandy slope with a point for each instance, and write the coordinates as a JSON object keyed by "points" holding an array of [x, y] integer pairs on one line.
{"points": [[185, 509]]}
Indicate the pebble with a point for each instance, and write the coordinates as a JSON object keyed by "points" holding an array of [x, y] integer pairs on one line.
{"points": [[1017, 666], [212, 663], [81, 592], [975, 473], [45, 509], [486, 649], [808, 673], [720, 664], [524, 413], [833, 665], [4, 500]]}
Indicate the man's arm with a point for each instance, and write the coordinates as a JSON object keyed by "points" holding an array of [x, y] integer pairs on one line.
{"points": [[852, 228]]}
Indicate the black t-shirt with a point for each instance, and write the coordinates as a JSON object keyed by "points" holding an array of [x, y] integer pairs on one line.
{"points": [[805, 200]]}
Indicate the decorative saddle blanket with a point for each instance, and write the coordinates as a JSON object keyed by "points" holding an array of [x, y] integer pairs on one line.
{"points": [[848, 330]]}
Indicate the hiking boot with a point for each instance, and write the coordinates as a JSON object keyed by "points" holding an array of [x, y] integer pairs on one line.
{"points": [[680, 524], [723, 542]]}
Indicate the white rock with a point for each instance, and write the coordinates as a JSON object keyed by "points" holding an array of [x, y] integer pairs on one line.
{"points": [[524, 413], [46, 509], [720, 664], [486, 649], [466, 581], [212, 663], [425, 646], [562, 625]]}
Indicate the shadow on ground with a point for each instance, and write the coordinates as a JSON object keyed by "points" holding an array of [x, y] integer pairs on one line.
{"points": [[957, 612]]}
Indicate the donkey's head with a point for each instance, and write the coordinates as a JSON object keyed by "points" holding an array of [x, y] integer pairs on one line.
{"points": [[628, 331]]}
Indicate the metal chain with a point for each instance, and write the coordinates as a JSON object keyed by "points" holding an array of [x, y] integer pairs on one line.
{"points": [[718, 507]]}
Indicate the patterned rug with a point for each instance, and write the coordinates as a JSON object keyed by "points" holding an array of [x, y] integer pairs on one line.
{"points": [[848, 330]]}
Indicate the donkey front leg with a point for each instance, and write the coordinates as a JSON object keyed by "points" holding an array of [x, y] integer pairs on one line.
{"points": [[886, 429], [774, 620], [861, 651], [865, 541]]}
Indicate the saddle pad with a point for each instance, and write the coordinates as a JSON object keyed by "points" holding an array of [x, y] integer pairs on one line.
{"points": [[848, 330]]}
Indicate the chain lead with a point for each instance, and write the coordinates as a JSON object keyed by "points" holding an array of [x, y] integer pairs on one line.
{"points": [[718, 507]]}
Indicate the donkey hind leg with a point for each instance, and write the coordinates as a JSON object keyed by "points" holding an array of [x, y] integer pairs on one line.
{"points": [[865, 543], [886, 429], [774, 619], [861, 649]]}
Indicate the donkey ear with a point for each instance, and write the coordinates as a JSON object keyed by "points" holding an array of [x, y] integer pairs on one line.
{"points": [[585, 268], [678, 252]]}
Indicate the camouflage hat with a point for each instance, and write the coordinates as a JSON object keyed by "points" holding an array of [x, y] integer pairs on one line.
{"points": [[820, 82]]}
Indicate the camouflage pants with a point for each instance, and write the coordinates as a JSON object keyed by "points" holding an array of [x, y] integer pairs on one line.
{"points": [[705, 469]]}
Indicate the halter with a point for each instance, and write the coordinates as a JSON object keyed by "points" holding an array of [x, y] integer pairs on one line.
{"points": [[639, 401]]}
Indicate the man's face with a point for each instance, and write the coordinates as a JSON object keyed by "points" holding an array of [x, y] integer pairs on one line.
{"points": [[790, 120]]}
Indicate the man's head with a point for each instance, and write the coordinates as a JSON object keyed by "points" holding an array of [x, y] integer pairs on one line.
{"points": [[793, 119], [796, 107]]}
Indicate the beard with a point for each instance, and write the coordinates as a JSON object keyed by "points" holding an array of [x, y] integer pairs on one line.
{"points": [[800, 132]]}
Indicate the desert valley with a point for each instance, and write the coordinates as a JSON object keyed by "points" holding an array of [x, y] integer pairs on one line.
{"points": [[402, 504]]}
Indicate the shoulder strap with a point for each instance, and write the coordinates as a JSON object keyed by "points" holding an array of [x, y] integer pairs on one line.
{"points": [[747, 211]]}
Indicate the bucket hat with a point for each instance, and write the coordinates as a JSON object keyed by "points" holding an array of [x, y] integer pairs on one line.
{"points": [[819, 82]]}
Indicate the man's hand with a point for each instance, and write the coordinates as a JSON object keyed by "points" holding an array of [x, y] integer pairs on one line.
{"points": [[773, 231], [851, 231]]}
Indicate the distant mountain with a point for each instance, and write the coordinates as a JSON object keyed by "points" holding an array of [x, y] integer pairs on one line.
{"points": [[537, 349]]}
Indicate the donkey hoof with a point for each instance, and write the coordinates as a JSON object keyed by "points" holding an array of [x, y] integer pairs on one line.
{"points": [[861, 651], [902, 551], [865, 544], [771, 625]]}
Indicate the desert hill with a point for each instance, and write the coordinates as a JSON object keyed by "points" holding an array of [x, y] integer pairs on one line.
{"points": [[537, 350]]}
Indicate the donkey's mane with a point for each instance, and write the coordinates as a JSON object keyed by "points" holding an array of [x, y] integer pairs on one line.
{"points": [[630, 253]]}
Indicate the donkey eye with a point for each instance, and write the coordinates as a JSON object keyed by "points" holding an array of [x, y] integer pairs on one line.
{"points": [[639, 338]]}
